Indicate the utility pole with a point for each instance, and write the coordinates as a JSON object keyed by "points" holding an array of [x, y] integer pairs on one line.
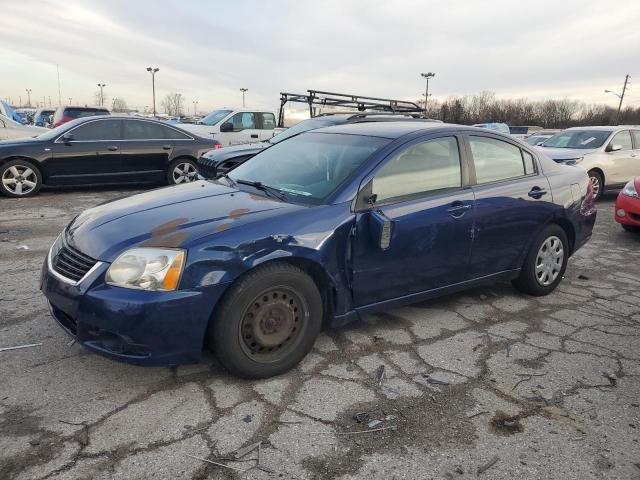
{"points": [[20, 99], [28, 90], [69, 100], [195, 107], [153, 72], [102, 85], [59, 94], [243, 90], [620, 96], [427, 76]]}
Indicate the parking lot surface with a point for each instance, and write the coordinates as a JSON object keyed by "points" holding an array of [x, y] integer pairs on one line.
{"points": [[488, 383]]}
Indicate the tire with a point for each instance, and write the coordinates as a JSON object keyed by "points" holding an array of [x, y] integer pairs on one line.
{"points": [[182, 170], [538, 281], [267, 322], [631, 228], [597, 183], [19, 178]]}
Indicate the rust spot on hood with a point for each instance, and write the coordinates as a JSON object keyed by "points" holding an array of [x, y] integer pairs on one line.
{"points": [[253, 196], [222, 227], [167, 234], [233, 214], [168, 227]]}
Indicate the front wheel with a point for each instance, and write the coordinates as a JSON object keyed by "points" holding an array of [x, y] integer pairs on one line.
{"points": [[267, 322], [19, 178], [182, 170], [597, 184], [545, 263]]}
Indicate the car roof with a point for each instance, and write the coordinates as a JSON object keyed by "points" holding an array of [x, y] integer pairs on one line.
{"points": [[606, 128], [390, 130]]}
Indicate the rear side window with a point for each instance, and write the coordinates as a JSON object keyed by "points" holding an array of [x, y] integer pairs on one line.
{"points": [[174, 134], [268, 121], [431, 166], [97, 131], [140, 130], [636, 137], [497, 160], [623, 139]]}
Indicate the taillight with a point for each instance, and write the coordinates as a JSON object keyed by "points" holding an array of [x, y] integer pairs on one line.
{"points": [[217, 146]]}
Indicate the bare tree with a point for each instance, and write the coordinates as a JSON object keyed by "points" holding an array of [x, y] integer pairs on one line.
{"points": [[97, 99], [172, 104], [119, 105]]}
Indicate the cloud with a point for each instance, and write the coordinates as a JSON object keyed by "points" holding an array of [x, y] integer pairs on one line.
{"points": [[208, 50]]}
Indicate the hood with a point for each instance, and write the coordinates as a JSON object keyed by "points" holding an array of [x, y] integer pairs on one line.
{"points": [[237, 150], [565, 153], [166, 217], [202, 130]]}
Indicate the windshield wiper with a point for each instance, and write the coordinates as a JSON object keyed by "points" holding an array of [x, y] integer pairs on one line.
{"points": [[265, 188]]}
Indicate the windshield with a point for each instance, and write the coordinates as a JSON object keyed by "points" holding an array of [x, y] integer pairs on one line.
{"points": [[54, 132], [536, 139], [582, 139], [311, 166], [304, 126], [214, 117]]}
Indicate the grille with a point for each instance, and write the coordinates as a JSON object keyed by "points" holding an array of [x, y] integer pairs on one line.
{"points": [[71, 263], [206, 168]]}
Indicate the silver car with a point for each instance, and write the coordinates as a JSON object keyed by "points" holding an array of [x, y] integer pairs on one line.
{"points": [[611, 155]]}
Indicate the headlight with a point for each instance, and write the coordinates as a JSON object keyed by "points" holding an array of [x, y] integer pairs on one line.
{"points": [[574, 161], [147, 269], [630, 190]]}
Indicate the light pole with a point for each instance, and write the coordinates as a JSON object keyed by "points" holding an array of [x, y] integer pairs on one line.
{"points": [[195, 107], [243, 90], [153, 72], [102, 85], [28, 90], [178, 99], [427, 76], [69, 100]]}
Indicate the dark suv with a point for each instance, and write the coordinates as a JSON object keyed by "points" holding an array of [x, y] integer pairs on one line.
{"points": [[66, 114], [217, 162]]}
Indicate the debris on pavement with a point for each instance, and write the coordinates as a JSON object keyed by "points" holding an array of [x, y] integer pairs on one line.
{"points": [[215, 463], [23, 247], [434, 381], [374, 423], [613, 379], [247, 419], [241, 452], [380, 375], [477, 414], [361, 417], [18, 347], [488, 465], [505, 424], [260, 465], [582, 277]]}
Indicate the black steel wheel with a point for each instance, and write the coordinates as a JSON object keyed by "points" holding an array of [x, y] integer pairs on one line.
{"points": [[267, 321]]}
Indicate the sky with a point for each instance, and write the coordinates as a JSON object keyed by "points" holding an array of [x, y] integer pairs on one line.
{"points": [[208, 50]]}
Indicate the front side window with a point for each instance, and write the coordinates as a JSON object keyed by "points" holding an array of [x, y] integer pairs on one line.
{"points": [[242, 121], [623, 139], [268, 121], [430, 166], [636, 137], [310, 166], [97, 131], [496, 160], [140, 130]]}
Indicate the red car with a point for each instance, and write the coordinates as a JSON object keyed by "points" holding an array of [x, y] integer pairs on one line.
{"points": [[628, 206]]}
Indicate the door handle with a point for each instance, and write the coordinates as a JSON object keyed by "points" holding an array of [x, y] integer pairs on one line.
{"points": [[457, 210], [537, 192], [254, 135], [166, 147], [112, 148]]}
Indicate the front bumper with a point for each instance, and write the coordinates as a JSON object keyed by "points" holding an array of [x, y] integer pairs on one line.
{"points": [[134, 326], [207, 168], [631, 208]]}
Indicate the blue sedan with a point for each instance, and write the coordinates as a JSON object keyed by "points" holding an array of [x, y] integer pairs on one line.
{"points": [[313, 232]]}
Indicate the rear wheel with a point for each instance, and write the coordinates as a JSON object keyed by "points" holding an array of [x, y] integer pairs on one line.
{"points": [[597, 183], [545, 263], [182, 170], [267, 322], [19, 178]]}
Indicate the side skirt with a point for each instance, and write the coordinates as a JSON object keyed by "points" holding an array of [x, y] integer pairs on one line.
{"points": [[354, 314]]}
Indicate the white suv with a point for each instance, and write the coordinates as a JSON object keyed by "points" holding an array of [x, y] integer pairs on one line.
{"points": [[235, 126], [611, 155]]}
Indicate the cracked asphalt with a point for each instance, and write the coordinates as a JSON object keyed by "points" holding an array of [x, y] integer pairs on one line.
{"points": [[488, 383]]}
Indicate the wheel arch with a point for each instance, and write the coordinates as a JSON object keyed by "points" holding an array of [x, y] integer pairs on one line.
{"points": [[600, 172], [569, 231]]}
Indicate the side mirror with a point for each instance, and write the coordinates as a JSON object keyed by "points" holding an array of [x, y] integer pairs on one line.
{"points": [[613, 148], [67, 138], [226, 127]]}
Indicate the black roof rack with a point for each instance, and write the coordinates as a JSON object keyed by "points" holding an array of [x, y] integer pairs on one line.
{"points": [[357, 102]]}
